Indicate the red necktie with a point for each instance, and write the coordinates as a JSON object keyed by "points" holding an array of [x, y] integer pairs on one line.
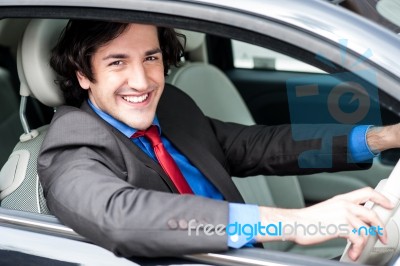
{"points": [[165, 159]]}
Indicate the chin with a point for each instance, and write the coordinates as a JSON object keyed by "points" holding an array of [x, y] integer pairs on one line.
{"points": [[141, 125]]}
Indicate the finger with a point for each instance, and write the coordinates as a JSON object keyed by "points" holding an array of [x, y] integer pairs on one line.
{"points": [[370, 218], [380, 199], [382, 234], [357, 237], [353, 252], [363, 195]]}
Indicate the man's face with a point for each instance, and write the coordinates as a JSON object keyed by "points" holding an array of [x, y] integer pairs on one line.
{"points": [[129, 76]]}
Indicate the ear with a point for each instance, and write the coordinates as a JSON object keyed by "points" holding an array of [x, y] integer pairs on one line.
{"points": [[83, 80]]}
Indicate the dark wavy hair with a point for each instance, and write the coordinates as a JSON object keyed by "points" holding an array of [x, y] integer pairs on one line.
{"points": [[81, 39]]}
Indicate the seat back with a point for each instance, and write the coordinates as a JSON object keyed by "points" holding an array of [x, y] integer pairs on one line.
{"points": [[200, 81], [20, 188]]}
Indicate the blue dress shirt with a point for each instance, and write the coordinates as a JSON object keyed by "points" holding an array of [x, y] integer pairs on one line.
{"points": [[238, 213]]}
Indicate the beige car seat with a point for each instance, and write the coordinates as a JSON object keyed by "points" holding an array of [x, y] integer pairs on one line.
{"points": [[20, 188]]}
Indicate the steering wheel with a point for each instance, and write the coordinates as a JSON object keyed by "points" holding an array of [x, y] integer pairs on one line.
{"points": [[374, 252]]}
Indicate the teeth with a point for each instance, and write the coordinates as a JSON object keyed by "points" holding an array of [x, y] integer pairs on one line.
{"points": [[136, 99]]}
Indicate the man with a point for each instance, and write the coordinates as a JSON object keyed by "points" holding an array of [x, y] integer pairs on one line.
{"points": [[106, 175]]}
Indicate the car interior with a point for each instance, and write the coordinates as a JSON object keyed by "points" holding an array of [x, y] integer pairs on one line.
{"points": [[248, 96]]}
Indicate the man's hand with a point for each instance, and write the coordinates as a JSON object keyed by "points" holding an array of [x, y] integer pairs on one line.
{"points": [[383, 138], [337, 217]]}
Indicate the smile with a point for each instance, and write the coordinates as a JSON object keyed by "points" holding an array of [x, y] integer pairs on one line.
{"points": [[136, 99]]}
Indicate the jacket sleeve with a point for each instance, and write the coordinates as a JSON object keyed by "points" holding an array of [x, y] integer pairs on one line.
{"points": [[86, 192], [285, 149]]}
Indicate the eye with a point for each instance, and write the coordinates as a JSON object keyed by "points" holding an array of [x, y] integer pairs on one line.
{"points": [[116, 63], [151, 58]]}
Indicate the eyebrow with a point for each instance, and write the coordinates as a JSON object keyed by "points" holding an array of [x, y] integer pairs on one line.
{"points": [[123, 56], [153, 51], [115, 56]]}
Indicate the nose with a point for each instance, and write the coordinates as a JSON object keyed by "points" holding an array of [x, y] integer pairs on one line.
{"points": [[138, 78]]}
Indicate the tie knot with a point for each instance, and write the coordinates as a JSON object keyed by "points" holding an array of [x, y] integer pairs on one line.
{"points": [[151, 134], [165, 159]]}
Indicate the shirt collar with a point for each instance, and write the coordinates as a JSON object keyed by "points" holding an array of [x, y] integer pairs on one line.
{"points": [[120, 126]]}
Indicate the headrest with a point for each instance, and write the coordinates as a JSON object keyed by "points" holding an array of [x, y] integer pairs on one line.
{"points": [[33, 57], [193, 39], [390, 10]]}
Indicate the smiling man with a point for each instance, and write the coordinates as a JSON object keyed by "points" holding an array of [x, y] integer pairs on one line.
{"points": [[125, 63], [131, 161]]}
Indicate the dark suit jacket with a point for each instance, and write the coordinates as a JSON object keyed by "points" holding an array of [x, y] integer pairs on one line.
{"points": [[104, 187]]}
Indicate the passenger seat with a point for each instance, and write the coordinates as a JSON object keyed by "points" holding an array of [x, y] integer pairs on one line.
{"points": [[20, 188]]}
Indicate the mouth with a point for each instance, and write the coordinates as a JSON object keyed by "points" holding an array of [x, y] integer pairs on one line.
{"points": [[136, 99]]}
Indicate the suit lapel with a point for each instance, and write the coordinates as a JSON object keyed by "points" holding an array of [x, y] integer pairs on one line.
{"points": [[136, 151], [146, 160]]}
